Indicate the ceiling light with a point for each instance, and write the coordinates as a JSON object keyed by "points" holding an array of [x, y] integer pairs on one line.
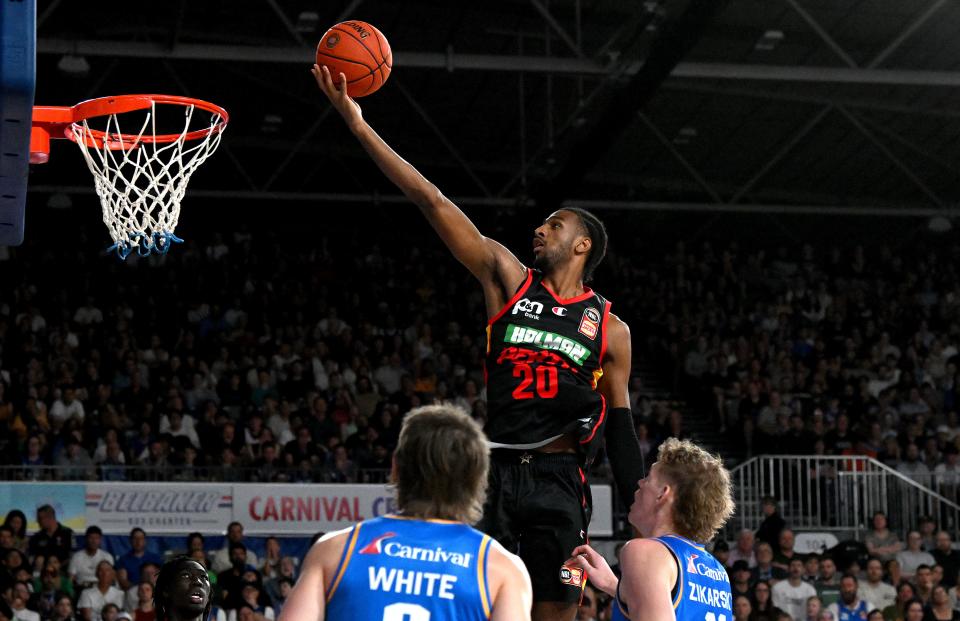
{"points": [[770, 40], [685, 135], [939, 224], [72, 65], [307, 21]]}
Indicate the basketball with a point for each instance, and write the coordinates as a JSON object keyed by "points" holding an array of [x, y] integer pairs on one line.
{"points": [[359, 51]]}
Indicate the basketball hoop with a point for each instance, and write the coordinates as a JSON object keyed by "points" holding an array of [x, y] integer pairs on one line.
{"points": [[140, 178]]}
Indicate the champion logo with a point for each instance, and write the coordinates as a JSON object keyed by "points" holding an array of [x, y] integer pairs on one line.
{"points": [[376, 546], [559, 311], [691, 565]]}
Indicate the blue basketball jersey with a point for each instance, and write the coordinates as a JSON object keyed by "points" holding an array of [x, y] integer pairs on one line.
{"points": [[401, 569], [702, 591]]}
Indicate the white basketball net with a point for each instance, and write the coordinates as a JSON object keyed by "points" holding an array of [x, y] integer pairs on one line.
{"points": [[141, 184]]}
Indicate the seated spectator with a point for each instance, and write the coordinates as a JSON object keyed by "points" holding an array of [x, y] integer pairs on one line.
{"points": [[915, 611], [940, 608], [744, 549], [742, 608], [898, 611], [129, 564], [874, 589], [222, 557], [763, 607], [765, 569], [923, 581], [828, 583], [250, 594], [74, 463], [721, 552], [17, 522], [83, 564], [148, 573], [50, 585], [881, 542], [230, 581], [850, 606], [20, 597], [110, 612], [144, 610], [93, 599], [814, 608], [285, 585], [740, 583], [63, 610], [928, 531], [947, 557], [53, 538], [288, 570], [811, 568], [785, 552], [791, 595], [892, 571], [914, 556], [270, 564]]}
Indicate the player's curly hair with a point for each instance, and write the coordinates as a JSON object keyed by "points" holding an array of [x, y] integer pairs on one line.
{"points": [[168, 572], [597, 233], [441, 464], [703, 494]]}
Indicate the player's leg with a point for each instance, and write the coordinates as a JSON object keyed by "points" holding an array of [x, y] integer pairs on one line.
{"points": [[497, 520], [554, 517]]}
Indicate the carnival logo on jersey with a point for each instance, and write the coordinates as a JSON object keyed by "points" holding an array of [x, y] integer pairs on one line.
{"points": [[590, 323], [396, 549], [547, 340], [705, 570], [530, 309], [559, 311], [375, 546]]}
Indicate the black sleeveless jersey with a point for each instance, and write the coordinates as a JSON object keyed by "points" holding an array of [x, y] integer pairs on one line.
{"points": [[543, 363]]}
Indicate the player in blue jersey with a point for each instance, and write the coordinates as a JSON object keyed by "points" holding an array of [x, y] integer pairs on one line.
{"points": [[668, 575], [426, 563]]}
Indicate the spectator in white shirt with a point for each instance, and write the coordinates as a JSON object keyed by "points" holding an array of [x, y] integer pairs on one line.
{"points": [[83, 563], [67, 407], [21, 595], [791, 595], [914, 556], [874, 589], [93, 600]]}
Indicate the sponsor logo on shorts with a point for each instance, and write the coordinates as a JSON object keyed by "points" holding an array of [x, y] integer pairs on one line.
{"points": [[590, 323], [571, 575]]}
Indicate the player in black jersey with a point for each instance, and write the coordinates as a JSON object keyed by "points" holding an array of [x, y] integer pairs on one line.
{"points": [[557, 365]]}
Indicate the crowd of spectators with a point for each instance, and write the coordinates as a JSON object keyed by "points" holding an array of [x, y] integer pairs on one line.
{"points": [[44, 578], [206, 364], [814, 350]]}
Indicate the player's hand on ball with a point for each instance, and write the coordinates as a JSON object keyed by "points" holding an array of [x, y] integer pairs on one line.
{"points": [[595, 566], [345, 105]]}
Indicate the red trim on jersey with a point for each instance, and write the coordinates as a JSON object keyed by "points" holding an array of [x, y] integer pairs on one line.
{"points": [[603, 330], [516, 297], [583, 494], [603, 415], [587, 292]]}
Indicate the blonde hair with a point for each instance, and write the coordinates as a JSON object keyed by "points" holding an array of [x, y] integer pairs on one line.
{"points": [[703, 494], [441, 465]]}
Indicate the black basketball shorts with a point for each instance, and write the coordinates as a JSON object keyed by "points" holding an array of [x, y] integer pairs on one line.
{"points": [[538, 507]]}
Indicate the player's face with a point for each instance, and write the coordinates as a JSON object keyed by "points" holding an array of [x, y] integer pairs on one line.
{"points": [[555, 239], [190, 591], [645, 501]]}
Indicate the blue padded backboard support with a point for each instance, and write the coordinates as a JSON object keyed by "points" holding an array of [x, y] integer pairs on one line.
{"points": [[18, 59]]}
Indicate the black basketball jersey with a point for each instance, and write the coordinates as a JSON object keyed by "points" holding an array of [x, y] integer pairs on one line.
{"points": [[543, 363]]}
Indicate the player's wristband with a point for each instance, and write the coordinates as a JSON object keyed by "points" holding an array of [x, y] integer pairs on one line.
{"points": [[623, 448]]}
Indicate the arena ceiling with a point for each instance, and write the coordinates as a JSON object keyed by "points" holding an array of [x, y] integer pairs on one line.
{"points": [[825, 106]]}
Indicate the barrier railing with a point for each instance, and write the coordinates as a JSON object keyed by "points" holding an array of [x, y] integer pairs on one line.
{"points": [[189, 473], [839, 494]]}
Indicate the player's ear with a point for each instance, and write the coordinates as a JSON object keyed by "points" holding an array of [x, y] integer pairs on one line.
{"points": [[583, 245]]}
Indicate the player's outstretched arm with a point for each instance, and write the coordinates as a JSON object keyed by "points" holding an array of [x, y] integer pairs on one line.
{"points": [[595, 568], [510, 586], [623, 448], [485, 258]]}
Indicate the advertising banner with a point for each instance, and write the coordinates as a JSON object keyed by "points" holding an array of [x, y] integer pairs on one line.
{"points": [[160, 507], [65, 498]]}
